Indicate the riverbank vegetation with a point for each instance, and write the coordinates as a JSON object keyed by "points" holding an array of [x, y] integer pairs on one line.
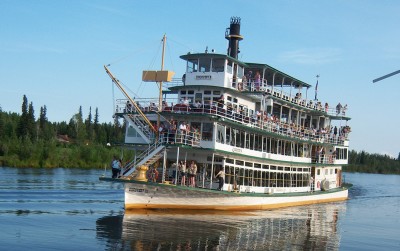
{"points": [[29, 142], [372, 163]]}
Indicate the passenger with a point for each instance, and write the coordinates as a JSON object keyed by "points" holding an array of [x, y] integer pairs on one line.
{"points": [[220, 102], [173, 168], [257, 81], [344, 110], [115, 165], [338, 108], [186, 101], [153, 107], [153, 174], [128, 107], [244, 83], [193, 173], [312, 184], [182, 169], [221, 176]]}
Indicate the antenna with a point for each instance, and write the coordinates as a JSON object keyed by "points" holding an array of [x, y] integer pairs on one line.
{"points": [[386, 76]]}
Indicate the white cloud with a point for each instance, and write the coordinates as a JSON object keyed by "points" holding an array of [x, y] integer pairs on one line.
{"points": [[311, 56]]}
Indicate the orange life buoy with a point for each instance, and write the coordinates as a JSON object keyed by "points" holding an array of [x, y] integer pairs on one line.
{"points": [[318, 184]]}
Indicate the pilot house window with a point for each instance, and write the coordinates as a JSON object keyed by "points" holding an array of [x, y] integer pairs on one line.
{"points": [[205, 64], [218, 64], [192, 65]]}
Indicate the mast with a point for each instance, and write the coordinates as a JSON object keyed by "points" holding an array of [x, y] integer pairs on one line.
{"points": [[161, 82]]}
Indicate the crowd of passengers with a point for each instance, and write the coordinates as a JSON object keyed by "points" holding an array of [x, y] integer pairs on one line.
{"points": [[170, 132], [263, 120]]}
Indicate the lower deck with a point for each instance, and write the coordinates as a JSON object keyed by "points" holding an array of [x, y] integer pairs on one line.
{"points": [[198, 168]]}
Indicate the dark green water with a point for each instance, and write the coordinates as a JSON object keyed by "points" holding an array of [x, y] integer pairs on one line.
{"points": [[69, 209]]}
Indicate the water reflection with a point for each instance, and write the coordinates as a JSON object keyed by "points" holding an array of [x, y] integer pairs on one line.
{"points": [[299, 228]]}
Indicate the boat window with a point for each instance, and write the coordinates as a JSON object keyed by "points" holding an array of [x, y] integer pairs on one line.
{"points": [[249, 164], [218, 64], [248, 177], [198, 97], [131, 132], [230, 161], [217, 92], [220, 133], [319, 172], [207, 92], [192, 65], [229, 174], [204, 64], [239, 162], [190, 92], [265, 166], [183, 92], [257, 165], [196, 126], [240, 71], [229, 68], [207, 131], [241, 176]]}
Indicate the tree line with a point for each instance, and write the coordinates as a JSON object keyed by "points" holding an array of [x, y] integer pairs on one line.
{"points": [[373, 163], [82, 142]]}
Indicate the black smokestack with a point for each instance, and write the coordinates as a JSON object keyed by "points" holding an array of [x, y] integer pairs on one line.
{"points": [[233, 35]]}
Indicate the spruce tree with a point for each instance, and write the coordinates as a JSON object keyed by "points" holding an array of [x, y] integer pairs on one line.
{"points": [[88, 123], [22, 129], [1, 124], [31, 122]]}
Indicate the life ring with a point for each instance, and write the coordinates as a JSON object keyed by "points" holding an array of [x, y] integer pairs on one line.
{"points": [[318, 184]]}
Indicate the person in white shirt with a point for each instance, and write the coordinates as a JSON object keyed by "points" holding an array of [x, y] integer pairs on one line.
{"points": [[221, 176]]}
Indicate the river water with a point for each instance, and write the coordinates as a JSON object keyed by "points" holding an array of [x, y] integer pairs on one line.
{"points": [[69, 209]]}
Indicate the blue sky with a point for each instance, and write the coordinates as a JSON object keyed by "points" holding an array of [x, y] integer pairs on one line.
{"points": [[53, 51]]}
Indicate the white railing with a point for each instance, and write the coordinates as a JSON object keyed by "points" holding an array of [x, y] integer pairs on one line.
{"points": [[264, 123], [132, 164]]}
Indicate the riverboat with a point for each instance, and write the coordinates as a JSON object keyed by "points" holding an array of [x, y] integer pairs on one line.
{"points": [[230, 135]]}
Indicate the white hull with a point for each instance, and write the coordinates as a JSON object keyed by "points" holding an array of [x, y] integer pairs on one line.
{"points": [[140, 195]]}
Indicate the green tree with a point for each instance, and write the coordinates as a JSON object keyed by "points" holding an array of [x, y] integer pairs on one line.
{"points": [[89, 126], [43, 117], [77, 122], [1, 124], [31, 122], [23, 121]]}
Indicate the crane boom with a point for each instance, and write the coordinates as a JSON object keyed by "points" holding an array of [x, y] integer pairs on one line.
{"points": [[116, 82]]}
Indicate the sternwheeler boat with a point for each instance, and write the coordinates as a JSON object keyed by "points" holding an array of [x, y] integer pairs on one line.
{"points": [[230, 135]]}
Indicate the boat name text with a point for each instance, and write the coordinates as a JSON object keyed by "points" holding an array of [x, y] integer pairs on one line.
{"points": [[203, 77], [236, 150], [138, 190]]}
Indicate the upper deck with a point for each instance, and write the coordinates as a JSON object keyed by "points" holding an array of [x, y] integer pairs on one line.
{"points": [[256, 81]]}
